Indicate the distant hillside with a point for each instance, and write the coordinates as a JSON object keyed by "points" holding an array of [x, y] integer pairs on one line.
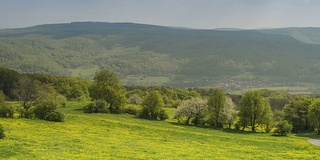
{"points": [[307, 34], [156, 55]]}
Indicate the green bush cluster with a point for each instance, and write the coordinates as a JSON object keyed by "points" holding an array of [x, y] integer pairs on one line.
{"points": [[6, 111], [283, 128], [54, 116], [99, 106], [48, 113], [131, 110]]}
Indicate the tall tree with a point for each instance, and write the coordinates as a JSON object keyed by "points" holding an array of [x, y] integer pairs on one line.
{"points": [[152, 106], [2, 97], [106, 86], [228, 113], [314, 114], [216, 103], [296, 112], [8, 78], [194, 108], [28, 92], [254, 109]]}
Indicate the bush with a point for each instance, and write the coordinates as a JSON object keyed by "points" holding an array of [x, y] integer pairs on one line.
{"points": [[163, 115], [54, 116], [176, 103], [6, 111], [131, 110], [48, 113], [99, 106], [283, 128], [2, 135], [41, 111]]}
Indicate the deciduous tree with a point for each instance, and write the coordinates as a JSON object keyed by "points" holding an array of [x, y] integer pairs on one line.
{"points": [[29, 92], [314, 114], [194, 108], [296, 112], [228, 113], [254, 109], [152, 106], [216, 104], [106, 86]]}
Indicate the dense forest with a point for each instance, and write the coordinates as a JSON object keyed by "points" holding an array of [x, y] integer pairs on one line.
{"points": [[155, 55]]}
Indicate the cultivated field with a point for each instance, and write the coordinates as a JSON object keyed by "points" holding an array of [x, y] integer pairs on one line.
{"points": [[106, 136]]}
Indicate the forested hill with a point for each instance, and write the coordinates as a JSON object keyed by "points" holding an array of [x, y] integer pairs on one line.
{"points": [[156, 55]]}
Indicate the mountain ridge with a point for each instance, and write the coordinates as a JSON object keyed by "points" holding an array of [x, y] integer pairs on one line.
{"points": [[183, 57]]}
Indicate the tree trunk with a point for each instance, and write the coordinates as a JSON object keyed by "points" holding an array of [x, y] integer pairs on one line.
{"points": [[187, 121]]}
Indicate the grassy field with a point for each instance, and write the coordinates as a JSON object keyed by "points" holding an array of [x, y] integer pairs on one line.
{"points": [[106, 136]]}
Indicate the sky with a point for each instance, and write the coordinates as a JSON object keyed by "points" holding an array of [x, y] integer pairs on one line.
{"points": [[200, 14]]}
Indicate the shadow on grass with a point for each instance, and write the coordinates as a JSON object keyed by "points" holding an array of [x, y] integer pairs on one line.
{"points": [[238, 131], [213, 128], [312, 135]]}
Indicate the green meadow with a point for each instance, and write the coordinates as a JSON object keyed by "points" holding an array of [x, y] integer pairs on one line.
{"points": [[109, 136]]}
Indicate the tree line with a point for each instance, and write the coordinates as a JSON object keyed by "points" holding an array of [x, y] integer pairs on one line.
{"points": [[42, 95]]}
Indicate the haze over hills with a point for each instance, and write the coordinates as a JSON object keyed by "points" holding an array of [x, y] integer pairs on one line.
{"points": [[157, 55]]}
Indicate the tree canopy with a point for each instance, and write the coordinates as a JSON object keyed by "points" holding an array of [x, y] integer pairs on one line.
{"points": [[254, 109], [106, 86]]}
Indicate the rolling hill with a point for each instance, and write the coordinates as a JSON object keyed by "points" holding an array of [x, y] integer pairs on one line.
{"points": [[156, 55]]}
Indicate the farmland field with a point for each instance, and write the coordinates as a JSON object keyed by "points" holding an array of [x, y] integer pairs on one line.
{"points": [[107, 136]]}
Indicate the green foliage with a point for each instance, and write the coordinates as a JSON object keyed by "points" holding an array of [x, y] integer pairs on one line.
{"points": [[2, 98], [132, 110], [6, 111], [8, 78], [135, 99], [314, 114], [99, 106], [216, 104], [47, 112], [254, 110], [2, 135], [41, 111], [296, 112], [195, 109], [29, 92], [163, 115], [106, 86], [283, 128], [152, 106], [228, 113], [55, 116], [277, 98]]}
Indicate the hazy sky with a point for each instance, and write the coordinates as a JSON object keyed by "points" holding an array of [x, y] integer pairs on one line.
{"points": [[207, 14]]}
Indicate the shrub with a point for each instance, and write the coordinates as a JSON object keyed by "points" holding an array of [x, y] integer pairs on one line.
{"points": [[48, 113], [2, 135], [176, 103], [99, 106], [283, 128], [163, 115], [135, 99], [54, 116], [41, 111], [6, 111], [131, 110]]}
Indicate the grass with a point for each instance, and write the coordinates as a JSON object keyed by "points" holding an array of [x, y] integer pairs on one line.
{"points": [[106, 136]]}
